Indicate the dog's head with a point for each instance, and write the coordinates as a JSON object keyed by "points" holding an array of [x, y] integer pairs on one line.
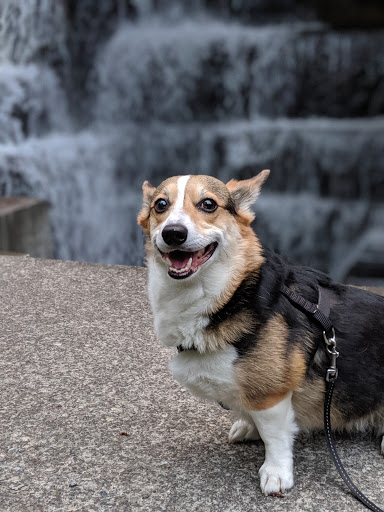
{"points": [[192, 221]]}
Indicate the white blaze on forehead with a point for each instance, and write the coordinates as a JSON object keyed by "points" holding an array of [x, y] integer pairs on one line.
{"points": [[178, 207], [195, 239], [181, 184]]}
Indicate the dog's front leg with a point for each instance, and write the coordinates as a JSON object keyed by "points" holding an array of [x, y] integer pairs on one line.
{"points": [[277, 429]]}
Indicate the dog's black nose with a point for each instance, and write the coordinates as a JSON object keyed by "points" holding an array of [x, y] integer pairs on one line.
{"points": [[175, 234]]}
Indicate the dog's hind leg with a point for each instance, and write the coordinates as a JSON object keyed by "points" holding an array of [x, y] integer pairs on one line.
{"points": [[244, 429]]}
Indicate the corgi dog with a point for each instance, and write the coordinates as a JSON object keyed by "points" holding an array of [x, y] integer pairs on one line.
{"points": [[216, 296]]}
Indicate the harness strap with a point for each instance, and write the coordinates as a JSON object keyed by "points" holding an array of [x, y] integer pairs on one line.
{"points": [[320, 313]]}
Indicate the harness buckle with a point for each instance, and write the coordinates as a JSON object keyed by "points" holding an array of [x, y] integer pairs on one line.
{"points": [[332, 371]]}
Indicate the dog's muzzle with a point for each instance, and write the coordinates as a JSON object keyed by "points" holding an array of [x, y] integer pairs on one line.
{"points": [[182, 264]]}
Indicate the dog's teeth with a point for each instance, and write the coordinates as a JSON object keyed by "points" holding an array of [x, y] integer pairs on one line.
{"points": [[179, 270], [201, 252], [168, 261], [189, 263]]}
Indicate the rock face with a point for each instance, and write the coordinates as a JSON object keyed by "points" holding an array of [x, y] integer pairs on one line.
{"points": [[98, 97]]}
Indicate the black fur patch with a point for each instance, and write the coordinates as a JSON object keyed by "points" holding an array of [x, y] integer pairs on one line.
{"points": [[357, 316], [230, 206]]}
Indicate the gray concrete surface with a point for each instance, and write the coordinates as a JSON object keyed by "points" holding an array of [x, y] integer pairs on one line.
{"points": [[91, 420]]}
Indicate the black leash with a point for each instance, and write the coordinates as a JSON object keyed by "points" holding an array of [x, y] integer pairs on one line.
{"points": [[335, 456], [320, 313]]}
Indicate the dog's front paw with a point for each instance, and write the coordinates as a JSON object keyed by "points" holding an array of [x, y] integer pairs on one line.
{"points": [[243, 430], [275, 479]]}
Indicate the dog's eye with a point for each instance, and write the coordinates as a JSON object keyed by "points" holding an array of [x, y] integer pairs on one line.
{"points": [[161, 205], [208, 205]]}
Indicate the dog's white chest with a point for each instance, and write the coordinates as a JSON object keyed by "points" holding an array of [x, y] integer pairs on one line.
{"points": [[180, 318], [209, 376], [179, 314], [179, 327]]}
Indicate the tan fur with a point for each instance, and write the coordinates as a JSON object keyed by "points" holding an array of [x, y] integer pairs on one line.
{"points": [[148, 218], [248, 259], [230, 330], [308, 404], [168, 190], [248, 255], [268, 374], [143, 217], [201, 187], [245, 193]]}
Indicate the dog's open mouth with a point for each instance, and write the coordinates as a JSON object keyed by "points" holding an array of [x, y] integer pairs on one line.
{"points": [[182, 264]]}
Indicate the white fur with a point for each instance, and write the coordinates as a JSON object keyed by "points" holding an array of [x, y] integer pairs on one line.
{"points": [[209, 376], [179, 310], [176, 216], [177, 213], [243, 429], [277, 429], [181, 185]]}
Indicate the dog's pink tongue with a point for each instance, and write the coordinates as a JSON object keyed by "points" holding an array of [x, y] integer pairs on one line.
{"points": [[179, 259]]}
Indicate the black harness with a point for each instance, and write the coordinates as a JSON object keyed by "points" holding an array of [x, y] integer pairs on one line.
{"points": [[320, 312]]}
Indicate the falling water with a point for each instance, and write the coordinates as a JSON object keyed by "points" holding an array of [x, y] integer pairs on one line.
{"points": [[87, 114]]}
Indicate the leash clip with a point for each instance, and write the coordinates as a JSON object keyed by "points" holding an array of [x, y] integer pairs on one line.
{"points": [[332, 371]]}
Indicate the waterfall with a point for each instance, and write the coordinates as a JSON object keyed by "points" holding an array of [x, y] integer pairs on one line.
{"points": [[97, 97]]}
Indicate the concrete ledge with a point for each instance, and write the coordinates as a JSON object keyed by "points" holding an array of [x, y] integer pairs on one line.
{"points": [[90, 419], [24, 226]]}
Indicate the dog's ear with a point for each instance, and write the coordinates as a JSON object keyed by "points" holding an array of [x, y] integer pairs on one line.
{"points": [[143, 217], [245, 192]]}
